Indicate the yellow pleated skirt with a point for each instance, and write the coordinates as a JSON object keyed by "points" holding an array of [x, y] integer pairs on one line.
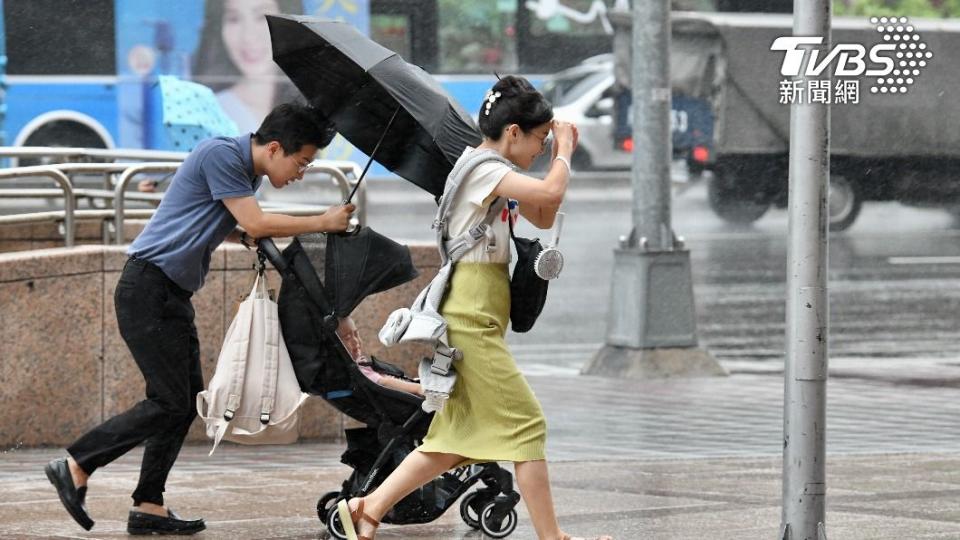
{"points": [[492, 413]]}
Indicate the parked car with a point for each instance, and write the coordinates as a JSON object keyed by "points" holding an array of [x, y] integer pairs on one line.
{"points": [[586, 95]]}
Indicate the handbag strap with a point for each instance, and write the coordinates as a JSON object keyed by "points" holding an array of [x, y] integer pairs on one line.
{"points": [[510, 223]]}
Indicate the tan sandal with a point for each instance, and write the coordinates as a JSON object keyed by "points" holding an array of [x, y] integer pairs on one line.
{"points": [[568, 537], [350, 518]]}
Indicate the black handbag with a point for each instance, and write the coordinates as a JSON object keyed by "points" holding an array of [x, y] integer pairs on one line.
{"points": [[528, 291]]}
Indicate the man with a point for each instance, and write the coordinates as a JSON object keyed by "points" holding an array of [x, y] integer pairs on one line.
{"points": [[211, 193]]}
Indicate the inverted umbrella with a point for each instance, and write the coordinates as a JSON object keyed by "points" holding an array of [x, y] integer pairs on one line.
{"points": [[361, 85], [191, 113]]}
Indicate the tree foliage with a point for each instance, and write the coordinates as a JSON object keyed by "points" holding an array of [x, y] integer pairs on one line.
{"points": [[898, 8]]}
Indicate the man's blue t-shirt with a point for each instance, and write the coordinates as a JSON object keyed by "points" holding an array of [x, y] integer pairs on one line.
{"points": [[192, 220]]}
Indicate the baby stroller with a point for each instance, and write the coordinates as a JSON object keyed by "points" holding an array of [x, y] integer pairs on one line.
{"points": [[325, 277]]}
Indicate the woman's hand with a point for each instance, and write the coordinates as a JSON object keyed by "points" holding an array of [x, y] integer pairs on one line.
{"points": [[565, 138]]}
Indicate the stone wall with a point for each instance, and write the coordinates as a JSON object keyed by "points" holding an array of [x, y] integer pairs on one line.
{"points": [[64, 367], [31, 236]]}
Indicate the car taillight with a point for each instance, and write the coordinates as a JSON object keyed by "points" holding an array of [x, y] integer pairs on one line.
{"points": [[627, 144], [701, 154]]}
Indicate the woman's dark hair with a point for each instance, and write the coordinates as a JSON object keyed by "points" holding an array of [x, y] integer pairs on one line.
{"points": [[519, 103], [294, 125], [212, 66]]}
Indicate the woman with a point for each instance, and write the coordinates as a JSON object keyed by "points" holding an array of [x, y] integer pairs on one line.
{"points": [[235, 59], [492, 414]]}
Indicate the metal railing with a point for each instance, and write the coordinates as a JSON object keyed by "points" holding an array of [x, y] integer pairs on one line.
{"points": [[66, 189], [75, 155], [343, 174]]}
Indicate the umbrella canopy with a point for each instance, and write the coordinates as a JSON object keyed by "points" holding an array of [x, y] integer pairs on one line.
{"points": [[191, 113], [360, 85]]}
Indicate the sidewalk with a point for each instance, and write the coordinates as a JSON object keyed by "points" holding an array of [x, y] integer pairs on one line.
{"points": [[671, 459]]}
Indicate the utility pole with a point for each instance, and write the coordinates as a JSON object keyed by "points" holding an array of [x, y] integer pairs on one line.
{"points": [[651, 324], [805, 368]]}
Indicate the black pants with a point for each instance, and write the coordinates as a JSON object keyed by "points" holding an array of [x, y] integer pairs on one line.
{"points": [[156, 321]]}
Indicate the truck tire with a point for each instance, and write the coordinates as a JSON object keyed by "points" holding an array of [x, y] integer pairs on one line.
{"points": [[731, 204], [843, 203]]}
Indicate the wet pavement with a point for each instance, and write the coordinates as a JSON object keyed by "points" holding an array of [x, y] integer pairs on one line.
{"points": [[893, 274], [668, 459]]}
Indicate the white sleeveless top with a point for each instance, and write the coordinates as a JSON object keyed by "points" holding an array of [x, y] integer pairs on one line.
{"points": [[470, 205]]}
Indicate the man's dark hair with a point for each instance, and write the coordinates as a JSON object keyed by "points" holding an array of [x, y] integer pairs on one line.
{"points": [[294, 125]]}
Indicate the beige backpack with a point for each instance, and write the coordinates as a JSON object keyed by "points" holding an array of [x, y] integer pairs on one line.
{"points": [[254, 396]]}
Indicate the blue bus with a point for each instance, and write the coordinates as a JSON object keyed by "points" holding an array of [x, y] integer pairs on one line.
{"points": [[84, 72]]}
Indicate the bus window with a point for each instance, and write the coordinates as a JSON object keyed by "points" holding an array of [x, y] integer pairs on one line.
{"points": [[60, 37]]}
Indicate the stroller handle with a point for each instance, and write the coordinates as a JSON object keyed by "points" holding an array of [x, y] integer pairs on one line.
{"points": [[268, 248]]}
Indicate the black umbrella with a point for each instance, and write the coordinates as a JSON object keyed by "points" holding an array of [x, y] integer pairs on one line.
{"points": [[361, 85]]}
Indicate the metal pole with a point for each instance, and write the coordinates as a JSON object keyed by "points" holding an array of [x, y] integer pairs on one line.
{"points": [[651, 125], [651, 325], [805, 370]]}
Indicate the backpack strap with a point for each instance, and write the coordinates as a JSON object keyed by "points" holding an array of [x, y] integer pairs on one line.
{"points": [[458, 247], [239, 363], [271, 365], [437, 389], [459, 173]]}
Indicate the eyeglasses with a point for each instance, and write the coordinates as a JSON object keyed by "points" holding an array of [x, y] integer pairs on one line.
{"points": [[303, 168], [546, 142]]}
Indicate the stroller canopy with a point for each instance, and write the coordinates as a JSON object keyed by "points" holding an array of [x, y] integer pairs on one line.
{"points": [[330, 274], [355, 266]]}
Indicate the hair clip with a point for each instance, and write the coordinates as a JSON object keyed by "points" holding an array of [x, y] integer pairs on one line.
{"points": [[490, 98]]}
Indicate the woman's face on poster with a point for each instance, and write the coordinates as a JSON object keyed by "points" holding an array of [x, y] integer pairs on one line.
{"points": [[246, 36]]}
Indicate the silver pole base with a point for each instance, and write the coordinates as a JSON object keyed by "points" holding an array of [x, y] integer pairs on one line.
{"points": [[613, 361]]}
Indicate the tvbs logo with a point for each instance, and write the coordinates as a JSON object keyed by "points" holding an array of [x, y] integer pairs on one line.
{"points": [[849, 58], [894, 62]]}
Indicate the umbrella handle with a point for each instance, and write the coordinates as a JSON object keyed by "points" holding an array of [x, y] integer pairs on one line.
{"points": [[353, 227], [372, 154]]}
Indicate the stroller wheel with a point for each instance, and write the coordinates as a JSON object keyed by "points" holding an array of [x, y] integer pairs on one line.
{"points": [[326, 503], [494, 527], [470, 507], [334, 527]]}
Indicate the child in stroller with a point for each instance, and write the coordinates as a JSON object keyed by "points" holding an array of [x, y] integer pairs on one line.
{"points": [[324, 277], [376, 371]]}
